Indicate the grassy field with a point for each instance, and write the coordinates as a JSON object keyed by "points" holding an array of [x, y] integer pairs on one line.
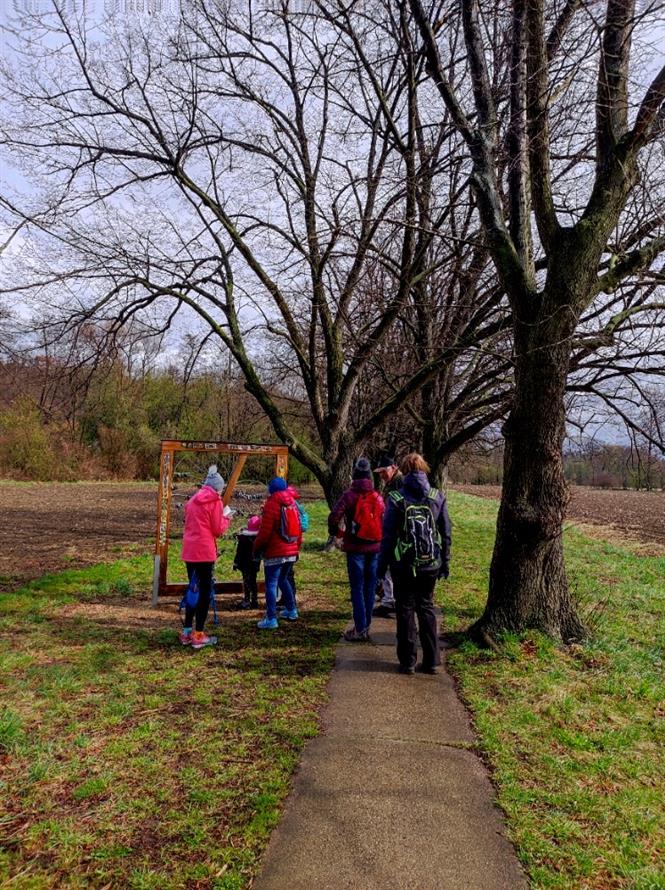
{"points": [[575, 738], [128, 762]]}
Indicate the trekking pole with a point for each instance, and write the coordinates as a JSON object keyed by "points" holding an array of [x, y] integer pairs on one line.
{"points": [[213, 602]]}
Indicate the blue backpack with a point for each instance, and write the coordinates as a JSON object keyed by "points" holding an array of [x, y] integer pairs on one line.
{"points": [[304, 517], [190, 598]]}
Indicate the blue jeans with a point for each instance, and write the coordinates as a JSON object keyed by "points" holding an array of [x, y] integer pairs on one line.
{"points": [[277, 575], [362, 578]]}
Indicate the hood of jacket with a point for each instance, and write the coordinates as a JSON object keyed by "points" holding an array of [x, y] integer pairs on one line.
{"points": [[206, 495], [283, 498], [416, 485], [362, 485]]}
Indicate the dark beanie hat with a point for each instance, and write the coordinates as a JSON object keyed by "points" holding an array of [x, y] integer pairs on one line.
{"points": [[385, 461], [362, 469], [277, 483]]}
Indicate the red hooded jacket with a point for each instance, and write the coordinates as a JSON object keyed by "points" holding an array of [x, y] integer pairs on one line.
{"points": [[204, 523], [269, 543]]}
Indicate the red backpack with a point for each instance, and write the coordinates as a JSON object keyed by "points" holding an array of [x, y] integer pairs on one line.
{"points": [[367, 517], [289, 523]]}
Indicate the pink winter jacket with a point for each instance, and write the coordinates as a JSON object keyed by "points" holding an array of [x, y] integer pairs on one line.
{"points": [[204, 523]]}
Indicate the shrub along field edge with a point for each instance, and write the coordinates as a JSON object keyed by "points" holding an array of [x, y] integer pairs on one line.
{"points": [[128, 762]]}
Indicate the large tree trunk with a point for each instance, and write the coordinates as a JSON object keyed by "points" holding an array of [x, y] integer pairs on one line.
{"points": [[528, 585], [438, 475], [338, 477]]}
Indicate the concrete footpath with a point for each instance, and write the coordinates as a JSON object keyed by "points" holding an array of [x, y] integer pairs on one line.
{"points": [[392, 794]]}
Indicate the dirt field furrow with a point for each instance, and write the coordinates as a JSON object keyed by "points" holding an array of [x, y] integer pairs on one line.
{"points": [[639, 515], [48, 527]]}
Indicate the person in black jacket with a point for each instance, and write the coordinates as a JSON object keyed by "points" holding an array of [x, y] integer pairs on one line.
{"points": [[245, 562], [416, 547]]}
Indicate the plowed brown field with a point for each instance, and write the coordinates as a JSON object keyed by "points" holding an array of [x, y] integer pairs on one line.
{"points": [[52, 526], [48, 527], [637, 515]]}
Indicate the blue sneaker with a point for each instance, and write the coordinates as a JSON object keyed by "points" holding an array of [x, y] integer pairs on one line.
{"points": [[290, 614], [267, 624]]}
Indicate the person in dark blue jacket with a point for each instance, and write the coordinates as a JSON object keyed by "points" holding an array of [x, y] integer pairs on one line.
{"points": [[416, 548]]}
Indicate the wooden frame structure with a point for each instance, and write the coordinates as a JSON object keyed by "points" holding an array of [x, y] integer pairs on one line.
{"points": [[170, 447]]}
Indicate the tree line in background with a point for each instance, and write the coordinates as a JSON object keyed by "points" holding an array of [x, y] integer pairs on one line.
{"points": [[67, 422], [64, 420]]}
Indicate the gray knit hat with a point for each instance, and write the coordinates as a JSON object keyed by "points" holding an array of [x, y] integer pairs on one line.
{"points": [[214, 480]]}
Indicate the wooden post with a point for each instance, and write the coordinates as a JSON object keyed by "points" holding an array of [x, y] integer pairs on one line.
{"points": [[163, 522], [235, 475], [165, 550]]}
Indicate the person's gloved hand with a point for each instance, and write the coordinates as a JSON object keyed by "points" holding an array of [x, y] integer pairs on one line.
{"points": [[444, 571]]}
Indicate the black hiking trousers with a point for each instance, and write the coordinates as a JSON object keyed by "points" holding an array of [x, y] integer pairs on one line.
{"points": [[204, 575], [250, 585], [414, 597]]}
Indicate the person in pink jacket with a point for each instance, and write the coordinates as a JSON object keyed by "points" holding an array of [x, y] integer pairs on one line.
{"points": [[205, 520]]}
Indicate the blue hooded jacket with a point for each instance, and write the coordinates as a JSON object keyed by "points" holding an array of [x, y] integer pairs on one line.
{"points": [[414, 490]]}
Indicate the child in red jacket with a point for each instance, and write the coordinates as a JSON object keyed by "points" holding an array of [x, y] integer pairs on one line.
{"points": [[278, 542], [205, 520]]}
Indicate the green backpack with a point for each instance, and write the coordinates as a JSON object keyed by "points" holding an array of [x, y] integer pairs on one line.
{"points": [[419, 542]]}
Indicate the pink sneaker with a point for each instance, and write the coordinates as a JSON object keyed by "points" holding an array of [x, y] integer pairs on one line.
{"points": [[201, 639], [186, 638]]}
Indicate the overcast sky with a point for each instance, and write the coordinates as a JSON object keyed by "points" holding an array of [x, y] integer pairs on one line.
{"points": [[13, 14]]}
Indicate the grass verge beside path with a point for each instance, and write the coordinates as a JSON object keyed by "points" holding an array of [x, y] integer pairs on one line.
{"points": [[126, 762], [575, 738]]}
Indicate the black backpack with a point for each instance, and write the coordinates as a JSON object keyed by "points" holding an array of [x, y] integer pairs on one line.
{"points": [[419, 542]]}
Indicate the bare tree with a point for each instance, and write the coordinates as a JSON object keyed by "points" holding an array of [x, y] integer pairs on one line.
{"points": [[469, 392], [273, 173], [552, 275]]}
